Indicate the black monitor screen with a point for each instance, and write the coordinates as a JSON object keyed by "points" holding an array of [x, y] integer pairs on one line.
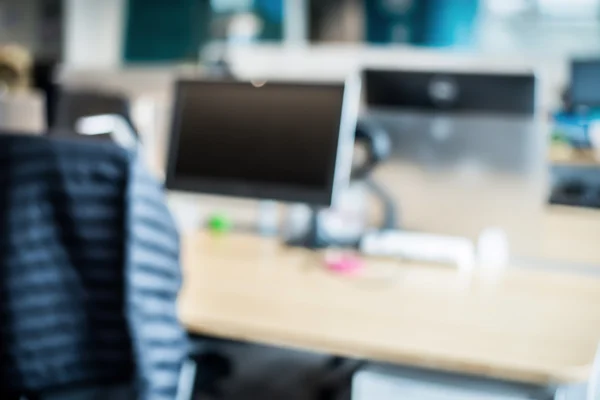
{"points": [[451, 91], [585, 82], [242, 139]]}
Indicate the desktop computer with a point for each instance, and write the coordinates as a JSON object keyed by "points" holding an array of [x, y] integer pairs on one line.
{"points": [[284, 141]]}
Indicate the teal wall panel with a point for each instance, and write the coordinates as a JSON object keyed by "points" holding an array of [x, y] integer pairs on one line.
{"points": [[391, 21], [271, 14], [164, 30], [174, 30], [436, 23]]}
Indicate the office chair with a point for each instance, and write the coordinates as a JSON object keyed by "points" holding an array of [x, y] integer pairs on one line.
{"points": [[90, 268], [42, 79], [72, 105]]}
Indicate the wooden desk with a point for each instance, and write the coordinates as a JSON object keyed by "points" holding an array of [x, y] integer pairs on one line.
{"points": [[563, 155], [570, 237], [526, 325]]}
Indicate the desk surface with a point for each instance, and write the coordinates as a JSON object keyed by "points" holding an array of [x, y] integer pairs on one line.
{"points": [[527, 325], [561, 155], [569, 236]]}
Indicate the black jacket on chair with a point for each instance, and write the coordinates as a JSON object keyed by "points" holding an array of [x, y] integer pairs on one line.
{"points": [[89, 271]]}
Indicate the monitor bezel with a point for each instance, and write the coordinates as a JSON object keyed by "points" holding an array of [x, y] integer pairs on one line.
{"points": [[528, 76], [338, 174]]}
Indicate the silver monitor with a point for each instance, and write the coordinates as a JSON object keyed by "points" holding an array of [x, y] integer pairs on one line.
{"points": [[284, 141]]}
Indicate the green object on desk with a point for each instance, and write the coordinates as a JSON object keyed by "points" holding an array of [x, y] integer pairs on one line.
{"points": [[219, 223]]}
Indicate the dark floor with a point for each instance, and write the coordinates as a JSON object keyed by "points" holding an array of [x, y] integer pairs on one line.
{"points": [[270, 373]]}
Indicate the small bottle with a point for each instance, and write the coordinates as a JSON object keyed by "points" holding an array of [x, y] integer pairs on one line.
{"points": [[493, 249], [268, 218]]}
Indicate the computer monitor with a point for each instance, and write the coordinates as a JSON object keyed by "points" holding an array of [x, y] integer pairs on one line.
{"points": [[468, 150], [283, 141], [439, 91], [585, 83]]}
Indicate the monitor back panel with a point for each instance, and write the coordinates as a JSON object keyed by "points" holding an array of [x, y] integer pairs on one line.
{"points": [[458, 168]]}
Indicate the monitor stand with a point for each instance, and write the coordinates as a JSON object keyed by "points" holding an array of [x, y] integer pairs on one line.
{"points": [[312, 238]]}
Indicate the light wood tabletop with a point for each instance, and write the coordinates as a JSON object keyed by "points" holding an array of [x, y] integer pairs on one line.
{"points": [[569, 236], [563, 155], [525, 325]]}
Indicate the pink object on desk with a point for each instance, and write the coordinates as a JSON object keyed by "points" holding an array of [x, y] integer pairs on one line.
{"points": [[343, 263]]}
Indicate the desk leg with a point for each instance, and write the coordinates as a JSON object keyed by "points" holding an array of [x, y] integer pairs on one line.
{"points": [[202, 373], [593, 389], [344, 369]]}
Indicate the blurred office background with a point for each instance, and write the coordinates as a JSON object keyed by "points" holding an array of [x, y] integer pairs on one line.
{"points": [[118, 32], [128, 34], [138, 48]]}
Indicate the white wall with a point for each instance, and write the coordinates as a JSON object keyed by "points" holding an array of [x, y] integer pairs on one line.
{"points": [[539, 37], [94, 33]]}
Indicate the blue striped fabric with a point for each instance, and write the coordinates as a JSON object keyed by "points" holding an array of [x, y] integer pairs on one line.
{"points": [[89, 270]]}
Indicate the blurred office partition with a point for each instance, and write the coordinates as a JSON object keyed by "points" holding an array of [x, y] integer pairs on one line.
{"points": [[468, 151]]}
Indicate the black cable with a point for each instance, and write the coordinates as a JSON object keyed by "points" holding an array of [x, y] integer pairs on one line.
{"points": [[390, 208]]}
